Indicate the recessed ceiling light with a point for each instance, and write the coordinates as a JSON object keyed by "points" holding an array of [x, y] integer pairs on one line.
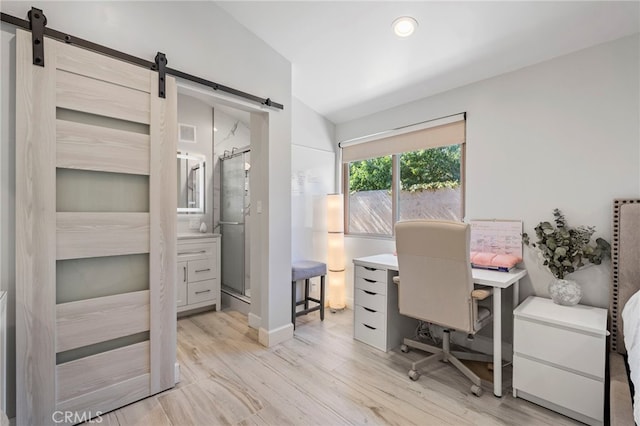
{"points": [[404, 26]]}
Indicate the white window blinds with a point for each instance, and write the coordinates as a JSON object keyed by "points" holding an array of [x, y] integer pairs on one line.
{"points": [[432, 134]]}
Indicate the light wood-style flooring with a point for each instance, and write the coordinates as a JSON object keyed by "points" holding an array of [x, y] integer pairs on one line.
{"points": [[320, 377]]}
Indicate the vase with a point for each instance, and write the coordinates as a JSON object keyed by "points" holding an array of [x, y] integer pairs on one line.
{"points": [[565, 292]]}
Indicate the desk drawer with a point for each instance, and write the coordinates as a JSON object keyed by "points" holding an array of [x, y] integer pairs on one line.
{"points": [[200, 270], [371, 300], [369, 317], [560, 387], [201, 291], [565, 348], [368, 284], [371, 273], [376, 337]]}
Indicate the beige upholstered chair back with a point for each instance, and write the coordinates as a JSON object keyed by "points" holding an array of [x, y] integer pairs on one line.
{"points": [[435, 272]]}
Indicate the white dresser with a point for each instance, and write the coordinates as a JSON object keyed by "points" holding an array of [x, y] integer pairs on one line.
{"points": [[559, 357], [198, 272], [377, 321]]}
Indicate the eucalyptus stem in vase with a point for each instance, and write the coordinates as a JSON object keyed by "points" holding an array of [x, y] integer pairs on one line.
{"points": [[566, 250]]}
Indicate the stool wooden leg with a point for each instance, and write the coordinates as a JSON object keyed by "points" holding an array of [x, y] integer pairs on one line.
{"points": [[322, 298], [306, 293], [293, 304]]}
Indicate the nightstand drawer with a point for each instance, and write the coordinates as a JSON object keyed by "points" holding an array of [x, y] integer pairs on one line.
{"points": [[566, 348], [371, 300], [569, 390], [201, 291], [200, 270], [368, 284], [371, 273], [370, 335], [370, 317]]}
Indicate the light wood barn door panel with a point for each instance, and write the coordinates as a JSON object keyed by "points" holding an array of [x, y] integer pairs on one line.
{"points": [[95, 196]]}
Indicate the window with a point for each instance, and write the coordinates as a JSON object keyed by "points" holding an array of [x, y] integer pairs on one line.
{"points": [[409, 183]]}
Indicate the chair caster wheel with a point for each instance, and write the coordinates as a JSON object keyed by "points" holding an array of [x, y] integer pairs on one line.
{"points": [[414, 375], [404, 349], [476, 390]]}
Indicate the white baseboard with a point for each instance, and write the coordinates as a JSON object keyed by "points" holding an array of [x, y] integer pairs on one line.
{"points": [[176, 373], [349, 303], [254, 321], [271, 338]]}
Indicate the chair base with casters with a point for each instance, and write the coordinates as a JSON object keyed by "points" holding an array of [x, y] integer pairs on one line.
{"points": [[305, 270], [445, 354]]}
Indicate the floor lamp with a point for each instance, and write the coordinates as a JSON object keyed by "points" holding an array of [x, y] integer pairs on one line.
{"points": [[335, 255]]}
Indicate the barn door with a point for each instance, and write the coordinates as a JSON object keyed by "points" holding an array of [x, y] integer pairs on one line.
{"points": [[95, 233]]}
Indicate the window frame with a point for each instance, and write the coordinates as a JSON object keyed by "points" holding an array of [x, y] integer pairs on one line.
{"points": [[395, 193]]}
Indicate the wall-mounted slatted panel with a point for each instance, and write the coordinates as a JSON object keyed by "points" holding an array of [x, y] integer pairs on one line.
{"points": [[108, 398], [86, 94], [35, 235], [86, 322], [87, 147], [103, 68], [89, 374], [81, 235], [162, 257]]}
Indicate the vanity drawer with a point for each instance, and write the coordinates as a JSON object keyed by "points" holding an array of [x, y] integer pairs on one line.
{"points": [[201, 291], [205, 248], [374, 274], [200, 270], [371, 300], [368, 284], [566, 348]]}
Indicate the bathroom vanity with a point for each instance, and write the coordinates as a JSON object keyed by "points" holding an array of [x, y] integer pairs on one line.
{"points": [[198, 272]]}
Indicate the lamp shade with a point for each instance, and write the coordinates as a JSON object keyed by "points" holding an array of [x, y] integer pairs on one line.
{"points": [[335, 213], [335, 250]]}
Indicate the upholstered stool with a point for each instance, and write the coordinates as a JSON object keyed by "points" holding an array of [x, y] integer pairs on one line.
{"points": [[305, 270]]}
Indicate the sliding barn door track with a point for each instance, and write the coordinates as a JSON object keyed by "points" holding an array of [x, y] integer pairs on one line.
{"points": [[37, 24]]}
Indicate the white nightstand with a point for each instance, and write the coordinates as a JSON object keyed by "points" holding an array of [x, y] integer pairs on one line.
{"points": [[559, 357]]}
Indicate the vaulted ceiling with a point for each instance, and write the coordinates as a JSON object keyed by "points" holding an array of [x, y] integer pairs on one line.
{"points": [[347, 62]]}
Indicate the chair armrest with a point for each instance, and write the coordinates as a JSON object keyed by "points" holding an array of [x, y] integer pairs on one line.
{"points": [[396, 279], [480, 294]]}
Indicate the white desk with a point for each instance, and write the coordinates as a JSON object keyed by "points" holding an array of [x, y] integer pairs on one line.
{"points": [[497, 280]]}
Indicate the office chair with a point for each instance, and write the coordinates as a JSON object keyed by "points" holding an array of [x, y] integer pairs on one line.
{"points": [[435, 285]]}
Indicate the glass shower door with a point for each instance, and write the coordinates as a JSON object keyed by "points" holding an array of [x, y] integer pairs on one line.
{"points": [[232, 209]]}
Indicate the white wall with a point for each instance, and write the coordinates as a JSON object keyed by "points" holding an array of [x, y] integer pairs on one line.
{"points": [[194, 112], [312, 178], [201, 39], [563, 133]]}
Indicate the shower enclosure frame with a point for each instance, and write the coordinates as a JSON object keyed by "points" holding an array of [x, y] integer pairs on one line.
{"points": [[237, 288]]}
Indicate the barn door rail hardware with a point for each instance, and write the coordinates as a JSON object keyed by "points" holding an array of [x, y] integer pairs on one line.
{"points": [[37, 22]]}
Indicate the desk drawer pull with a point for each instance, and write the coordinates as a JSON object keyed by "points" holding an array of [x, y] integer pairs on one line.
{"points": [[368, 268], [369, 309], [368, 326], [369, 281], [203, 270], [373, 293], [192, 252], [203, 291]]}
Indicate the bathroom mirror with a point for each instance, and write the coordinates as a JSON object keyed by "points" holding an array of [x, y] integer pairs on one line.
{"points": [[191, 173]]}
